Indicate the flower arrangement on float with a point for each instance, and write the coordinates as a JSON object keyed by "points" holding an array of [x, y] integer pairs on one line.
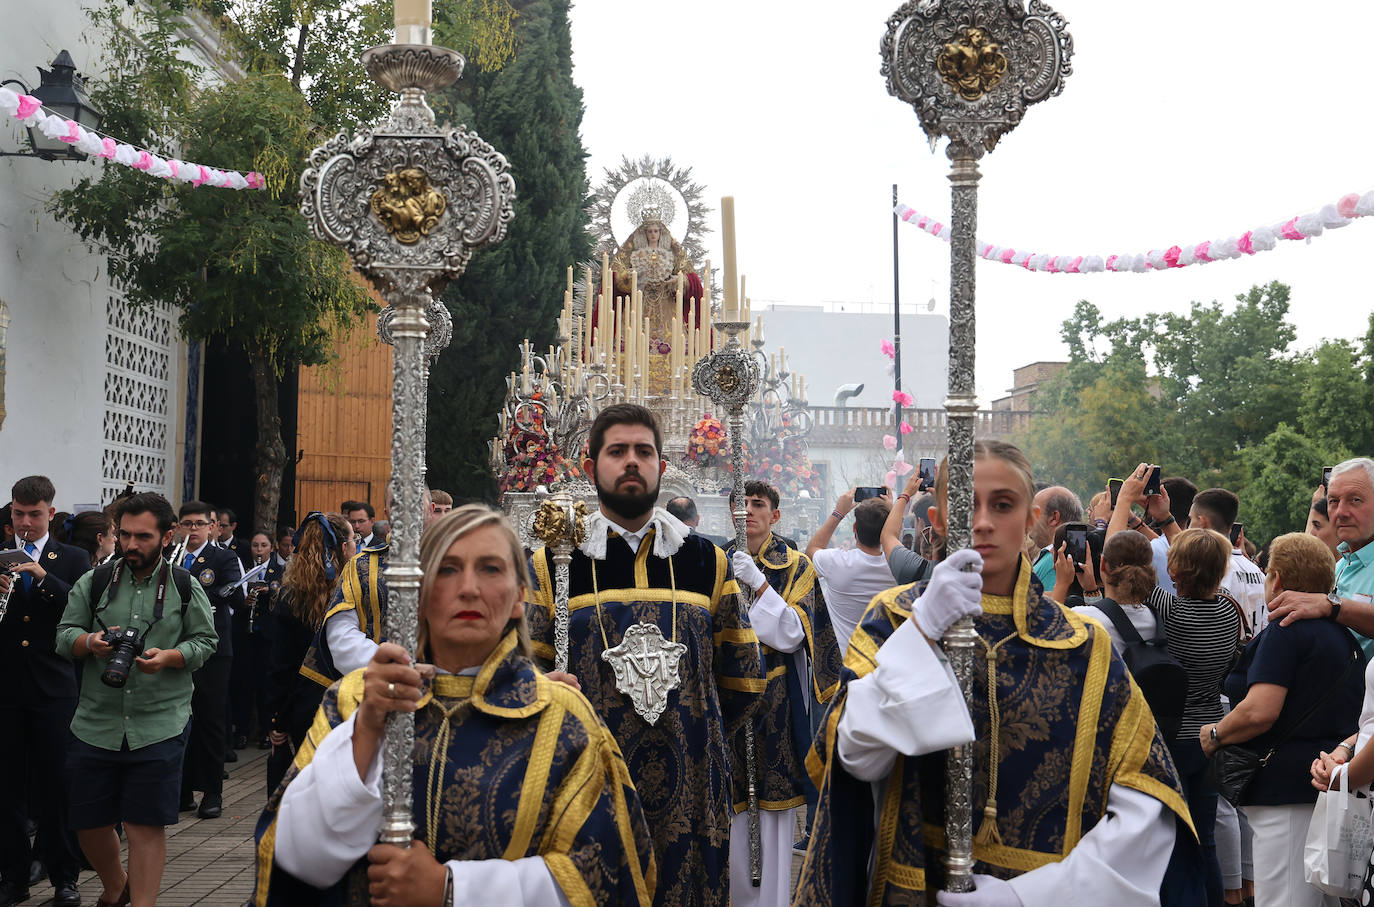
{"points": [[707, 445], [533, 459]]}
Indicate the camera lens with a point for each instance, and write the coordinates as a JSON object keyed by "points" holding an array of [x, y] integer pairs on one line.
{"points": [[127, 645]]}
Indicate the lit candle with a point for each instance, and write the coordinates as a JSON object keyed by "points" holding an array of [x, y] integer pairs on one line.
{"points": [[413, 20], [727, 236]]}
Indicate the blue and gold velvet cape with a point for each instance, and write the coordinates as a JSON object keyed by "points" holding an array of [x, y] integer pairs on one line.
{"points": [[530, 771], [680, 765], [782, 727], [362, 590], [1072, 723]]}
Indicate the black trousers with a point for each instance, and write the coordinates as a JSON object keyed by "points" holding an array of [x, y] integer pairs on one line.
{"points": [[35, 753], [209, 733], [248, 684]]}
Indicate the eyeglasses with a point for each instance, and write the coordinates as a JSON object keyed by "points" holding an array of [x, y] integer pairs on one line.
{"points": [[195, 524]]}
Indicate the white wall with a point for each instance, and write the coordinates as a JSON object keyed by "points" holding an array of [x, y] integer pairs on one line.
{"points": [[55, 288], [57, 291]]}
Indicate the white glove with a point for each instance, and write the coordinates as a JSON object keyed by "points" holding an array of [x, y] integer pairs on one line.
{"points": [[988, 891], [746, 571], [953, 593]]}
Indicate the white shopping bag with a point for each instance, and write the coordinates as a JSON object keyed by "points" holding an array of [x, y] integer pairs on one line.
{"points": [[1338, 839]]}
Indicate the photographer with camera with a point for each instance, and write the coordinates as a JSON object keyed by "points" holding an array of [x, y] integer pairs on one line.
{"points": [[130, 730]]}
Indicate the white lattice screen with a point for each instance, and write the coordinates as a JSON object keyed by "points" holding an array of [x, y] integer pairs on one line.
{"points": [[139, 345]]}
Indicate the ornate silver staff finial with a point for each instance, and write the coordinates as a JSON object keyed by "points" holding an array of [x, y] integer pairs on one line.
{"points": [[409, 201], [969, 68], [559, 524]]}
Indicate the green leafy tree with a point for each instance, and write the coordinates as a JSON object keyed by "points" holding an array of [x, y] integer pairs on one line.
{"points": [[1337, 405], [1107, 426], [1282, 472], [1229, 374], [242, 265], [1213, 395], [531, 111]]}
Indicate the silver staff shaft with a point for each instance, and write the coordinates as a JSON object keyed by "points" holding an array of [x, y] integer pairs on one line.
{"points": [[961, 408], [729, 377], [751, 758]]}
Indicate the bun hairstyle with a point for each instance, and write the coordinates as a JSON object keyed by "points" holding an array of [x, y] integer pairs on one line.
{"points": [[982, 450], [1128, 564]]}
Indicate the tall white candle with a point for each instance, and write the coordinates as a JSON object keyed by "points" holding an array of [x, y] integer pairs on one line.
{"points": [[727, 236], [413, 18]]}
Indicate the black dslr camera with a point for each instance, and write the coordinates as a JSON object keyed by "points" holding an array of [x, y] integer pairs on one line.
{"points": [[128, 645]]}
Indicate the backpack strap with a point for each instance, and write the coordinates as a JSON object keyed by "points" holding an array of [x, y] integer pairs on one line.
{"points": [[100, 581], [182, 579], [1119, 620]]}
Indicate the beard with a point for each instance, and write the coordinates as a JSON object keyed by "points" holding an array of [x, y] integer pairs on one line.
{"points": [[628, 504]]}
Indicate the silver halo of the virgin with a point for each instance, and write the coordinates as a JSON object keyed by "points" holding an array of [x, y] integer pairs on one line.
{"points": [[409, 201], [729, 377], [969, 68]]}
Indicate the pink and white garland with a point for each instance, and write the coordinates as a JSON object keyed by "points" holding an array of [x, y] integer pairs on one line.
{"points": [[29, 111], [900, 466], [1260, 239]]}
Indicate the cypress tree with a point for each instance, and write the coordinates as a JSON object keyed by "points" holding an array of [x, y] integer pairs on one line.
{"points": [[531, 111]]}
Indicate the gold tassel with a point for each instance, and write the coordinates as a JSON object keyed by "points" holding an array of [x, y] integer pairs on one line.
{"points": [[987, 832]]}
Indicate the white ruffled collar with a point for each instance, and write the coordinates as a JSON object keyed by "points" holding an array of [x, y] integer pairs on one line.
{"points": [[669, 534]]}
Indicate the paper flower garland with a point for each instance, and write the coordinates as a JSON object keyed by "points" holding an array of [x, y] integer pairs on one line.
{"points": [[29, 111], [1260, 239]]}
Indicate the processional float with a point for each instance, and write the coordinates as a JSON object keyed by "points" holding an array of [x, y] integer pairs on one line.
{"points": [[408, 201], [969, 68]]}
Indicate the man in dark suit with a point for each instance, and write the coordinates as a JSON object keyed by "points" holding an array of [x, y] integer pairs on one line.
{"points": [[227, 523], [37, 700], [218, 570]]}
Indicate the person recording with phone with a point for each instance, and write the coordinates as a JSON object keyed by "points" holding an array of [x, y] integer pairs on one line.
{"points": [[907, 566], [852, 575], [129, 733]]}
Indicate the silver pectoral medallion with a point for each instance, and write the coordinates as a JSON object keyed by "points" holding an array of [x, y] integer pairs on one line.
{"points": [[646, 668]]}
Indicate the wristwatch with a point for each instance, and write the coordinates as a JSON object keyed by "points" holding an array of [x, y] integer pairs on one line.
{"points": [[1160, 524], [1212, 734], [1335, 601]]}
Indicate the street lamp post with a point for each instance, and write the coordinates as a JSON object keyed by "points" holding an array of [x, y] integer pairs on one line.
{"points": [[409, 201], [969, 68]]}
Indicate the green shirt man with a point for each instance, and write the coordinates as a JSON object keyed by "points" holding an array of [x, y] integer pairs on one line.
{"points": [[150, 707]]}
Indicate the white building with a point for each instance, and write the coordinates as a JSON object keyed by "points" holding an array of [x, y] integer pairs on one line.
{"points": [[93, 393], [833, 348]]}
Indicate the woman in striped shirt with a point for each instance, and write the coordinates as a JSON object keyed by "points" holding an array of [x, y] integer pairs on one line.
{"points": [[1202, 629]]}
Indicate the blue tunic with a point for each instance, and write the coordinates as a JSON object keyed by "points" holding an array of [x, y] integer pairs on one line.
{"points": [[529, 771], [680, 765], [1071, 724], [782, 729]]}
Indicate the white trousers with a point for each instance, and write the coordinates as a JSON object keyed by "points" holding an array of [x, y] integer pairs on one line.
{"points": [[778, 829], [1279, 835]]}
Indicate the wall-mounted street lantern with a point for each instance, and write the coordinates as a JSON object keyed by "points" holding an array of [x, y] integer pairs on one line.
{"points": [[62, 91]]}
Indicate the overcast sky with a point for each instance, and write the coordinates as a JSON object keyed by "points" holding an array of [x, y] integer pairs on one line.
{"points": [[1181, 122]]}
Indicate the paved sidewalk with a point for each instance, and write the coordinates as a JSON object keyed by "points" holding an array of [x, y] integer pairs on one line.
{"points": [[209, 861]]}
